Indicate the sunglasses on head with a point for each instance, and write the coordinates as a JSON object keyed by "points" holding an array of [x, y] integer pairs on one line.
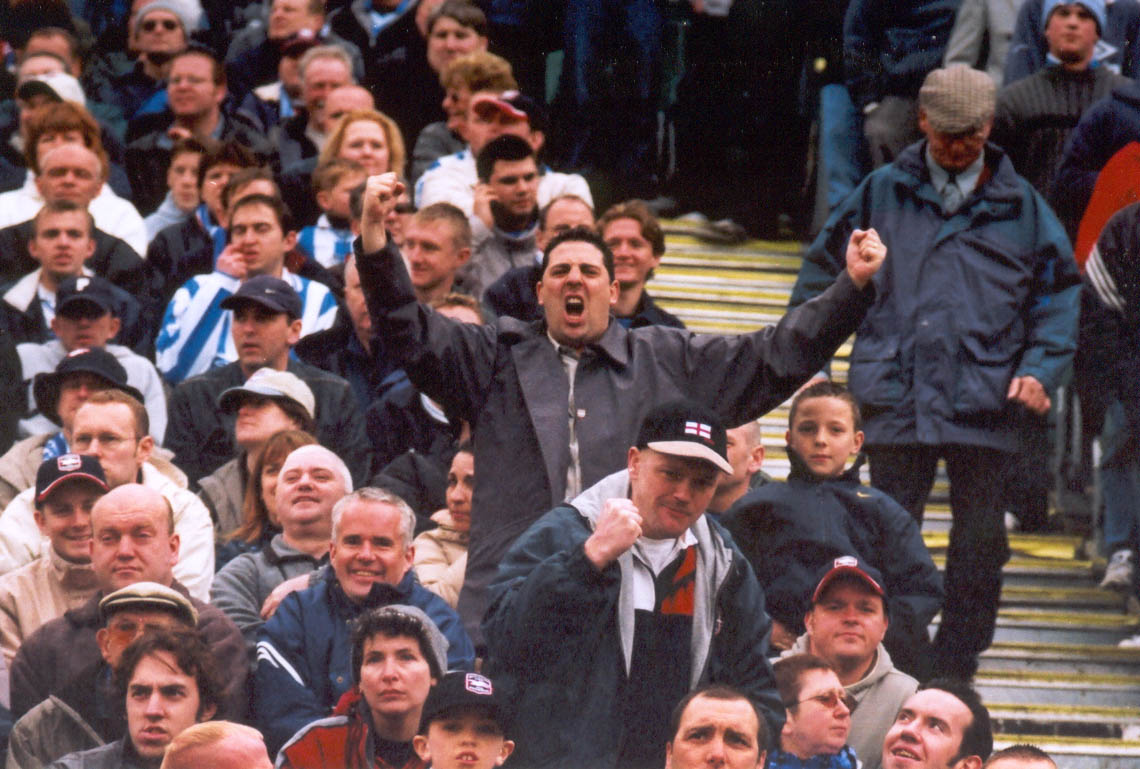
{"points": [[829, 699], [150, 25]]}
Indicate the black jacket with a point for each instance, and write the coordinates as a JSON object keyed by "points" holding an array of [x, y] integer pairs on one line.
{"points": [[26, 323], [202, 438], [113, 259], [338, 351], [178, 253], [789, 531]]}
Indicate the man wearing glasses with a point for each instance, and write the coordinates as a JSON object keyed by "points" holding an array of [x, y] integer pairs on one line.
{"points": [[845, 627], [818, 711], [113, 427]]}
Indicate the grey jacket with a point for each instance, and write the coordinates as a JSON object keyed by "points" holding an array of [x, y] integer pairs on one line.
{"points": [[114, 755], [493, 253], [46, 733], [223, 492], [880, 694], [510, 383], [982, 27], [244, 583]]}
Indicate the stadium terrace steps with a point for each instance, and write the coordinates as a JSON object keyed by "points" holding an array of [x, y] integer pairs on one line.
{"points": [[1054, 676]]}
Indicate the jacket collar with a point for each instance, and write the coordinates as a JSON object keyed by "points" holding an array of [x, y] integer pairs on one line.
{"points": [[23, 291], [999, 194], [279, 551]]}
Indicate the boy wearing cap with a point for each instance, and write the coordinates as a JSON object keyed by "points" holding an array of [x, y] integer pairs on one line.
{"points": [[609, 609], [463, 724], [67, 487], [974, 321], [845, 626], [195, 334], [789, 530]]}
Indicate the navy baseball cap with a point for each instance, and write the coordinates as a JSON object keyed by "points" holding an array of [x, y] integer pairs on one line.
{"points": [[685, 428], [267, 291], [81, 292], [458, 690], [65, 468]]}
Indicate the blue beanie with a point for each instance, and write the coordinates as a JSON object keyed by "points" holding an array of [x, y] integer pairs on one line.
{"points": [[1095, 7]]}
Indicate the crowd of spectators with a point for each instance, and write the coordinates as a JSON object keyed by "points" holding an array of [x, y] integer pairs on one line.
{"points": [[339, 427]]}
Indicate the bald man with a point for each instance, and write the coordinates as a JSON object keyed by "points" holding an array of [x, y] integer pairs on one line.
{"points": [[133, 540], [312, 479]]}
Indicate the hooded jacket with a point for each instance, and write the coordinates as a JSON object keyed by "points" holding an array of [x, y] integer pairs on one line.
{"points": [[789, 531], [880, 694], [561, 632]]}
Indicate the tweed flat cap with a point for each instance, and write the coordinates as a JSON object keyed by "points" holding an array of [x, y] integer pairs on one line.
{"points": [[957, 98]]}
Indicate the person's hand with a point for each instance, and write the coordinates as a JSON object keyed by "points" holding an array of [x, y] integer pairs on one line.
{"points": [[278, 595], [176, 132], [380, 195], [484, 194], [231, 262], [782, 639], [865, 254], [618, 528], [1028, 392]]}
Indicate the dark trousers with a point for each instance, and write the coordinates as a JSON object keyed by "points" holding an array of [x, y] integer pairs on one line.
{"points": [[978, 544]]}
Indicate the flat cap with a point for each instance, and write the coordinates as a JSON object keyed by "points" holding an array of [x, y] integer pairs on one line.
{"points": [[957, 99]]}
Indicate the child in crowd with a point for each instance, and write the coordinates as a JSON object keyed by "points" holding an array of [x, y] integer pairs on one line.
{"points": [[329, 241], [441, 553], [182, 187], [789, 530], [462, 726]]}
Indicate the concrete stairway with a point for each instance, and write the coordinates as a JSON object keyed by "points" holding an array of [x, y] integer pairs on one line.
{"points": [[1054, 676]]}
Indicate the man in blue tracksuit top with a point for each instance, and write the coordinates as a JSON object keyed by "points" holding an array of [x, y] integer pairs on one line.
{"points": [[974, 318]]}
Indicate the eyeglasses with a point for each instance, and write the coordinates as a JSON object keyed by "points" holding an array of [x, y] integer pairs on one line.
{"points": [[150, 25], [829, 699]]}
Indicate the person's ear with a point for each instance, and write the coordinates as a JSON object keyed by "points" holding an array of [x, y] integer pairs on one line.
{"points": [[761, 759], [294, 334], [858, 442], [40, 521], [324, 199], [420, 745], [505, 752], [756, 459], [633, 462], [146, 446], [207, 713], [103, 638], [462, 256], [116, 326]]}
